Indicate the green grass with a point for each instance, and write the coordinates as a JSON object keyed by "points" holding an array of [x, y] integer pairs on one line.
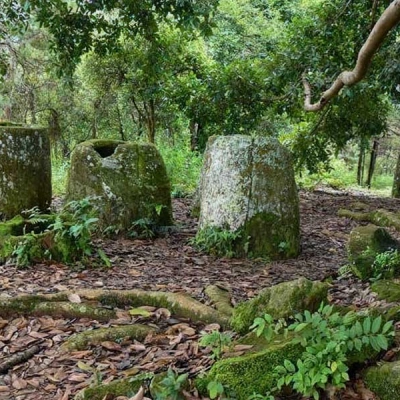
{"points": [[59, 170], [183, 168], [342, 177]]}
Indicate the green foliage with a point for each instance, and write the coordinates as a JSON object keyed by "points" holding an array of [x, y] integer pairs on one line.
{"points": [[67, 239], [216, 241], [216, 341], [215, 389], [76, 224], [143, 228], [183, 167], [386, 265], [59, 170], [172, 386], [328, 339]]}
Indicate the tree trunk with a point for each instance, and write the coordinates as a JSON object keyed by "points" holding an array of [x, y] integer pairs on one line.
{"points": [[151, 122], [360, 166], [372, 162], [120, 126], [396, 180]]}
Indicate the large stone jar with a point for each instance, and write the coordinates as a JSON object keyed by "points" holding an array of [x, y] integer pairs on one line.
{"points": [[25, 170], [247, 186], [129, 180]]}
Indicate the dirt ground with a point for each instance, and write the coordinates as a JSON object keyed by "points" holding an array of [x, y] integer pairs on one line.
{"points": [[164, 264]]}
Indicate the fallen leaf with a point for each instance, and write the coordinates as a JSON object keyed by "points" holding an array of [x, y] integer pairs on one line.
{"points": [[74, 298], [139, 311], [139, 395], [111, 345]]}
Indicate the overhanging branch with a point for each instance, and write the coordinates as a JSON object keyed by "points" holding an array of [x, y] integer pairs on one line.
{"points": [[387, 21]]}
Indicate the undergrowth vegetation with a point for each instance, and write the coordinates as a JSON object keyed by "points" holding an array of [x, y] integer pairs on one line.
{"points": [[329, 340]]}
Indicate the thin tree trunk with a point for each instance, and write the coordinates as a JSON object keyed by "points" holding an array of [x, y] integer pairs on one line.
{"points": [[120, 126], [372, 162], [360, 166], [396, 180]]}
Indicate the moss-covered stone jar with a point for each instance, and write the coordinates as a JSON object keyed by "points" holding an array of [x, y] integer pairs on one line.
{"points": [[247, 186], [25, 169], [128, 179]]}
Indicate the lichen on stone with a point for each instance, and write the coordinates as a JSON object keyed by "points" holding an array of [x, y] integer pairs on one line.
{"points": [[25, 170], [247, 185], [128, 179], [280, 301]]}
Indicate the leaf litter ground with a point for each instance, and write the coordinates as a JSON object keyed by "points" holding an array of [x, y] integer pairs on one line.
{"points": [[165, 264]]}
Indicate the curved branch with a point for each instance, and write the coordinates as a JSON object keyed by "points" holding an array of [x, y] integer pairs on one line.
{"points": [[387, 21]]}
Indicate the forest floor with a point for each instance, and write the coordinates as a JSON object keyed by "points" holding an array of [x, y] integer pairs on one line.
{"points": [[165, 264]]}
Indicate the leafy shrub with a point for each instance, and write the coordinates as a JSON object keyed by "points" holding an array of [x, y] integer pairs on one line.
{"points": [[386, 265], [172, 386], [216, 241], [328, 339], [217, 341]]}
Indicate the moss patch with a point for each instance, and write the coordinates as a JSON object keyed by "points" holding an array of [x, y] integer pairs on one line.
{"points": [[281, 301], [384, 380], [254, 372], [365, 242], [88, 338], [387, 290], [122, 387]]}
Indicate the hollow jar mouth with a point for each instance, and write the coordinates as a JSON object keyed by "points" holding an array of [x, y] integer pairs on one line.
{"points": [[105, 150]]}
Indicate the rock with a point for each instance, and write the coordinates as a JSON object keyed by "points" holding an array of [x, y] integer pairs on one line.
{"points": [[365, 242], [281, 301], [121, 387], [247, 185], [380, 217], [252, 372], [384, 380], [25, 170], [129, 179]]}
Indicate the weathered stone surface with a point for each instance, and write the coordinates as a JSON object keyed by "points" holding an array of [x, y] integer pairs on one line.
{"points": [[129, 179], [280, 301], [248, 185], [25, 170], [365, 242], [384, 380]]}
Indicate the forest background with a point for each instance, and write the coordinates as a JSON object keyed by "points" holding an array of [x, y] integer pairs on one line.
{"points": [[212, 69]]}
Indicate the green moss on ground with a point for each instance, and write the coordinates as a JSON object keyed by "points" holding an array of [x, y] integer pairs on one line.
{"points": [[281, 301], [83, 340], [387, 290], [365, 242], [253, 372], [122, 387], [384, 380]]}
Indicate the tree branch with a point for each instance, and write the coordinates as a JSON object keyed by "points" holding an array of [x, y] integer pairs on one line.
{"points": [[387, 21]]}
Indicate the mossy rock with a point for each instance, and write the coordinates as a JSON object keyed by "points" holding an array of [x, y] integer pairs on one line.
{"points": [[247, 186], [365, 242], [281, 301], [122, 387], [25, 169], [253, 372], [38, 242], [128, 179], [387, 290], [384, 380]]}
